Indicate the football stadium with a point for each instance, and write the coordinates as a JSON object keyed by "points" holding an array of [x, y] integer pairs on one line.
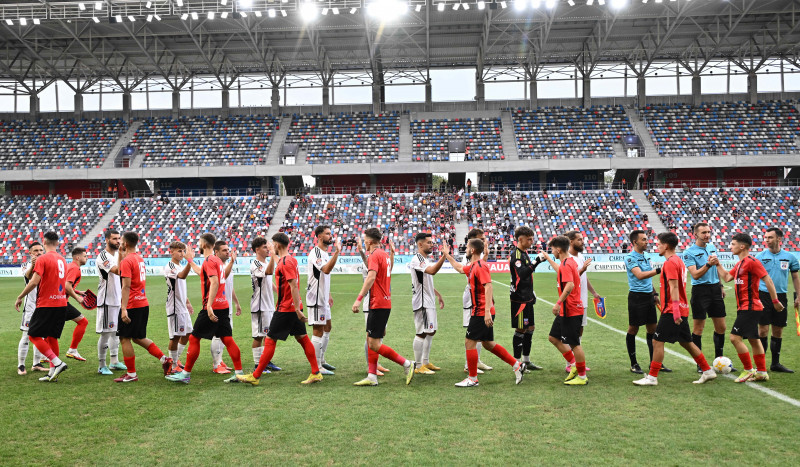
{"points": [[232, 231]]}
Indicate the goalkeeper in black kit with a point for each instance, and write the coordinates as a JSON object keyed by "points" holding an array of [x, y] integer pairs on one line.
{"points": [[522, 296]]}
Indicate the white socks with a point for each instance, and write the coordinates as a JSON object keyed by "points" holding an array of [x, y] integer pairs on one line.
{"points": [[257, 351], [22, 349], [102, 348], [113, 347], [419, 345], [180, 350], [216, 351], [426, 349], [173, 354], [326, 336], [317, 342], [526, 359]]}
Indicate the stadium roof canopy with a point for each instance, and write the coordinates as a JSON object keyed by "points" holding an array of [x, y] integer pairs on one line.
{"points": [[132, 40]]}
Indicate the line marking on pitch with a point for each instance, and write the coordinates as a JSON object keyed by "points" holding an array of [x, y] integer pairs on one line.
{"points": [[765, 390]]}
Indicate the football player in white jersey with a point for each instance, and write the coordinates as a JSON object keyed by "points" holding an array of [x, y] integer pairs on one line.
{"points": [[34, 250], [262, 303], [179, 323], [318, 293], [467, 298], [423, 300], [365, 304], [109, 295]]}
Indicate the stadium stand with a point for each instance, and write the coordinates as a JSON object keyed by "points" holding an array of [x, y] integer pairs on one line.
{"points": [[57, 143], [401, 214], [347, 138], [721, 128], [730, 210], [482, 137], [204, 140], [236, 219], [604, 216], [569, 132], [25, 219]]}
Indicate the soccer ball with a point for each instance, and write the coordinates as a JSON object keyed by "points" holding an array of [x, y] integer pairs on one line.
{"points": [[722, 365]]}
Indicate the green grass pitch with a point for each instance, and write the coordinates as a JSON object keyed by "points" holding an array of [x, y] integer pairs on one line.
{"points": [[87, 419]]}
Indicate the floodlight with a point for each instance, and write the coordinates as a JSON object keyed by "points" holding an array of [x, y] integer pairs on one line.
{"points": [[308, 11], [210, 15], [223, 15], [36, 21], [503, 4], [271, 12], [245, 3], [418, 8], [441, 6], [571, 2], [519, 5], [550, 4], [455, 6], [9, 22], [149, 4], [158, 18], [325, 11], [481, 5], [23, 21], [258, 14], [284, 14], [82, 6], [353, 11], [536, 3], [619, 3], [98, 5], [386, 10], [130, 17], [149, 18], [180, 2]]}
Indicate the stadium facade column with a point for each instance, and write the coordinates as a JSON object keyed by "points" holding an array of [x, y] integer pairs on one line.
{"points": [[276, 99], [752, 86], [480, 93], [326, 98], [428, 95], [226, 101], [641, 90], [587, 90], [176, 103], [78, 105], [34, 98], [696, 97], [126, 104], [534, 93]]}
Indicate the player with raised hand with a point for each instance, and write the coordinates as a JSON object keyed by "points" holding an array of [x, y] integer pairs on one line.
{"points": [[673, 326], [228, 257], [262, 303], [108, 304], [289, 318], [424, 299], [135, 310], [747, 274], [47, 321], [365, 303], [481, 323], [212, 321], [467, 298], [565, 334], [779, 263], [73, 314], [35, 250], [379, 285], [318, 293], [179, 308], [522, 296]]}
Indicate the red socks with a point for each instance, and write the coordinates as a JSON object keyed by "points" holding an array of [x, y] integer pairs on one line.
{"points": [[43, 347], [372, 362], [761, 361], [130, 362], [701, 360], [53, 343], [746, 363], [233, 351], [311, 355], [581, 366], [77, 334], [472, 363], [569, 356], [192, 352], [655, 367], [266, 357], [155, 351], [387, 352], [503, 354]]}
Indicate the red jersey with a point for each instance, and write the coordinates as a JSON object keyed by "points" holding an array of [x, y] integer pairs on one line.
{"points": [[478, 276], [285, 271], [132, 266], [674, 268], [212, 266], [52, 289], [746, 276], [74, 274], [568, 272], [380, 295]]}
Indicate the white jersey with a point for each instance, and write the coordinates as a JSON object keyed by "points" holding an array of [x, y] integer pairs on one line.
{"points": [[30, 299], [421, 284], [229, 292], [580, 259], [109, 288], [365, 302], [318, 290], [263, 298], [467, 299], [176, 290]]}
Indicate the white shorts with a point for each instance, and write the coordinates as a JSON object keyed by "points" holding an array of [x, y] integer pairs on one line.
{"points": [[466, 317], [425, 321], [107, 318], [318, 315], [179, 325], [26, 320], [259, 323]]}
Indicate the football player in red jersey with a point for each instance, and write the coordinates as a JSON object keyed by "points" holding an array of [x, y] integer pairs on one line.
{"points": [[73, 279], [747, 274]]}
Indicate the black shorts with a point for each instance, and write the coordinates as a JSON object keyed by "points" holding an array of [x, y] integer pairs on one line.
{"points": [[746, 324], [47, 322], [477, 330], [204, 328], [668, 331], [567, 329], [521, 314], [285, 324], [769, 316], [71, 313], [137, 328], [707, 301], [641, 309], [376, 322]]}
